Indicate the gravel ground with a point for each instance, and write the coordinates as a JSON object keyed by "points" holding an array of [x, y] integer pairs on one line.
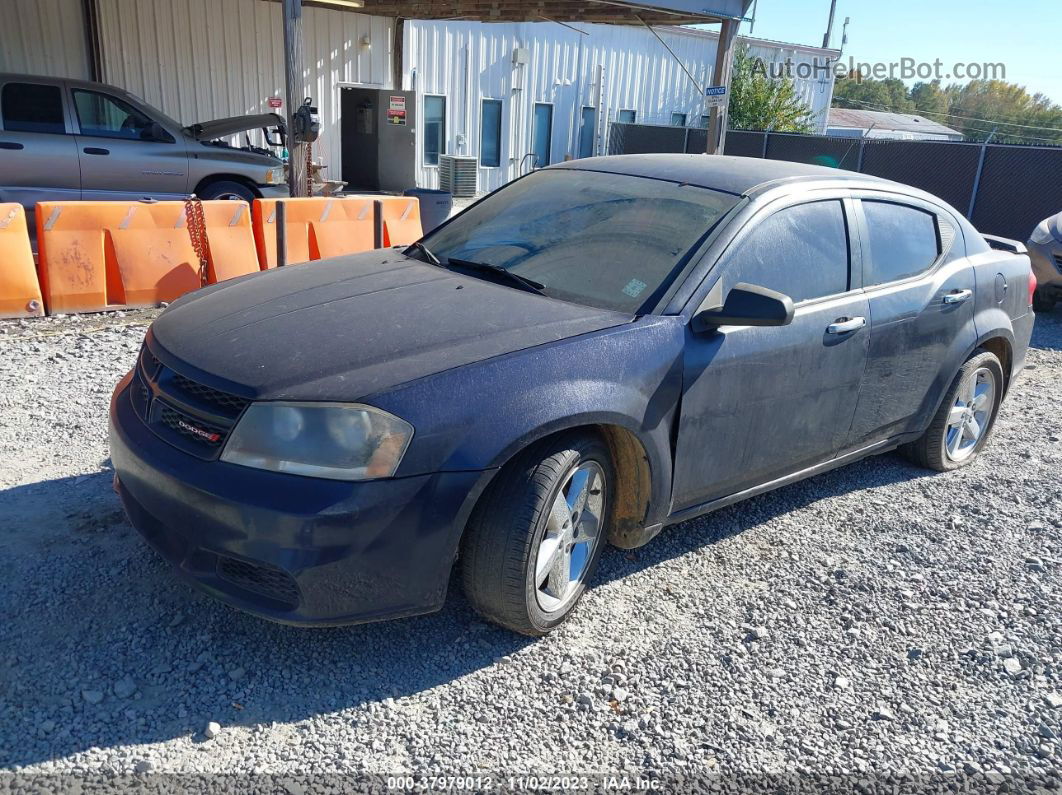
{"points": [[873, 623]]}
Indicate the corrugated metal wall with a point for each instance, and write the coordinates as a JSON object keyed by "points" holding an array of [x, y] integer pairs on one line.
{"points": [[206, 59], [44, 37], [468, 62]]}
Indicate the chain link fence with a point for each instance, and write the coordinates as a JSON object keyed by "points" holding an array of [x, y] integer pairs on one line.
{"points": [[1003, 189]]}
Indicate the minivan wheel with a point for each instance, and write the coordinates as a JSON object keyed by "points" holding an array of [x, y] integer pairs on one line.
{"points": [[965, 418], [535, 537], [1041, 303], [226, 189]]}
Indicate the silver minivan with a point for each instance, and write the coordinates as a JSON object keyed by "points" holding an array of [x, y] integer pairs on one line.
{"points": [[65, 140]]}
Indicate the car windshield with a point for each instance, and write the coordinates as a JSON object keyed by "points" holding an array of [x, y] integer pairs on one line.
{"points": [[611, 241]]}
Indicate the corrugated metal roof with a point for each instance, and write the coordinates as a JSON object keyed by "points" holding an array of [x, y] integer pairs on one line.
{"points": [[883, 120]]}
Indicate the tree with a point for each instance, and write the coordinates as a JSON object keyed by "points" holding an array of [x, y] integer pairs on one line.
{"points": [[929, 99], [862, 93], [760, 102]]}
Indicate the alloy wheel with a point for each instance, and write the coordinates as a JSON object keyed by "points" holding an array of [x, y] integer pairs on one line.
{"points": [[970, 414], [572, 534]]}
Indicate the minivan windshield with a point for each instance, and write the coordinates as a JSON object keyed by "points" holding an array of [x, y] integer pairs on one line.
{"points": [[611, 241]]}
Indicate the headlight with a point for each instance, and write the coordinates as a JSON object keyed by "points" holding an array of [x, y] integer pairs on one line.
{"points": [[275, 176], [339, 441], [1042, 234]]}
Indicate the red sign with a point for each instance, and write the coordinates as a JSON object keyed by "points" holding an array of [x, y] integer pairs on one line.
{"points": [[276, 102]]}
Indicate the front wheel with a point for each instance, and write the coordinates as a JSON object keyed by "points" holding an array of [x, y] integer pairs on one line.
{"points": [[535, 537], [228, 190], [965, 418]]}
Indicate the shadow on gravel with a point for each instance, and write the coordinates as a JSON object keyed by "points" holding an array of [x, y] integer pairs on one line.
{"points": [[677, 540], [1047, 333], [106, 647]]}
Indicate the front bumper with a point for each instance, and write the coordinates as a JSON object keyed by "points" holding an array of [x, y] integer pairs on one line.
{"points": [[281, 191], [291, 549], [1046, 267]]}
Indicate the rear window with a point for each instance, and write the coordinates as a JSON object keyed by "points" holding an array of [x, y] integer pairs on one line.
{"points": [[903, 241], [606, 240], [32, 107]]}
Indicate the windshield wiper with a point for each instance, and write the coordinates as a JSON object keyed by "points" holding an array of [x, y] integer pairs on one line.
{"points": [[515, 279], [427, 252]]}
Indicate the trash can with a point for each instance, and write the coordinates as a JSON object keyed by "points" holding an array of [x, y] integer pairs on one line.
{"points": [[435, 206]]}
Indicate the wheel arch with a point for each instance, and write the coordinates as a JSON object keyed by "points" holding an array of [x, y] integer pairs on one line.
{"points": [[642, 474], [242, 180], [1002, 345]]}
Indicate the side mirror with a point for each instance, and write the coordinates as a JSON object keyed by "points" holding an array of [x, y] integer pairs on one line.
{"points": [[746, 305], [155, 132]]}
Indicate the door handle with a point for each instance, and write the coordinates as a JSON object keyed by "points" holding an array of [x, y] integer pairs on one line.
{"points": [[11, 145], [95, 150], [958, 296], [846, 325]]}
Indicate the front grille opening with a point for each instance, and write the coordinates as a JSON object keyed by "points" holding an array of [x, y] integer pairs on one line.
{"points": [[231, 403], [260, 579], [149, 362], [191, 427]]}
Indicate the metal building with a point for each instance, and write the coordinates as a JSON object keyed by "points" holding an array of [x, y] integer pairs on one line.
{"points": [[474, 82]]}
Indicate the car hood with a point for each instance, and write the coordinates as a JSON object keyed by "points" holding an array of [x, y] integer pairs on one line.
{"points": [[346, 328], [220, 128]]}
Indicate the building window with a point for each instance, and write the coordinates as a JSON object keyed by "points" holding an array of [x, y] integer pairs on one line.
{"points": [[542, 134], [490, 138], [704, 122], [588, 132], [31, 107], [678, 119], [627, 116], [434, 129]]}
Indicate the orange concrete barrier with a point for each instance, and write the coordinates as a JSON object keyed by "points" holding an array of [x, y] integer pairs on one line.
{"points": [[316, 228], [20, 293], [108, 255], [401, 220]]}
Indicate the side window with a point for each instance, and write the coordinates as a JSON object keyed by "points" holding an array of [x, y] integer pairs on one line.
{"points": [[108, 117], [490, 134], [801, 251], [32, 107], [903, 241]]}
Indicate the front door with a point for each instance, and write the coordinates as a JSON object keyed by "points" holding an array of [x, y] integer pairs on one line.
{"points": [[119, 159], [760, 403]]}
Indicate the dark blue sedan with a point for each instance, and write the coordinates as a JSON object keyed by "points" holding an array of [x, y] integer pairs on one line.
{"points": [[594, 352]]}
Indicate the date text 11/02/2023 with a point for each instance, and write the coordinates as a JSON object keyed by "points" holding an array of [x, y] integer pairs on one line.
{"points": [[596, 783]]}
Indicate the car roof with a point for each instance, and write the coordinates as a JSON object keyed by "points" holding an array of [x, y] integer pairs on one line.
{"points": [[14, 77], [741, 176]]}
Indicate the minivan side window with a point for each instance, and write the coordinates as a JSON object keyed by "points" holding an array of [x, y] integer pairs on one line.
{"points": [[903, 241], [800, 251], [33, 108], [108, 117]]}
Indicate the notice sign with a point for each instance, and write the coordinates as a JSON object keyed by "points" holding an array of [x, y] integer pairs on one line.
{"points": [[715, 97], [396, 113], [275, 102]]}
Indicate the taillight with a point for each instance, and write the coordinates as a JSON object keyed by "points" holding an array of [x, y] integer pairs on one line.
{"points": [[1032, 286]]}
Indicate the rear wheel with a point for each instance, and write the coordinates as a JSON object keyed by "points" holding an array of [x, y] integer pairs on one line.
{"points": [[535, 537], [965, 418], [226, 189]]}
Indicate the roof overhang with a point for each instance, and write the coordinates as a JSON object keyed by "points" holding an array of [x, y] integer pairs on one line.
{"points": [[616, 12]]}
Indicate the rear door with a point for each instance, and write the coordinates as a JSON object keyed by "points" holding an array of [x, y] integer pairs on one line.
{"points": [[118, 158], [38, 155], [761, 403], [921, 287]]}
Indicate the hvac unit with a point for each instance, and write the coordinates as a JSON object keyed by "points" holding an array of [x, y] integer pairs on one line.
{"points": [[459, 175]]}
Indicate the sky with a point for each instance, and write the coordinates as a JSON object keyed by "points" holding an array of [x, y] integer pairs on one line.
{"points": [[1023, 35]]}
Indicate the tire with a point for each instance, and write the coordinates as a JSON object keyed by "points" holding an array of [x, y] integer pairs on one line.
{"points": [[952, 441], [1041, 303], [514, 523], [226, 189]]}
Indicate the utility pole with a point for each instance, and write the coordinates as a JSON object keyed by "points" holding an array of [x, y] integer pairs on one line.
{"points": [[829, 25], [292, 10], [724, 65]]}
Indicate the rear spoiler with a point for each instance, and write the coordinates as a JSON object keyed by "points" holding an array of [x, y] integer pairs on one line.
{"points": [[1005, 244]]}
